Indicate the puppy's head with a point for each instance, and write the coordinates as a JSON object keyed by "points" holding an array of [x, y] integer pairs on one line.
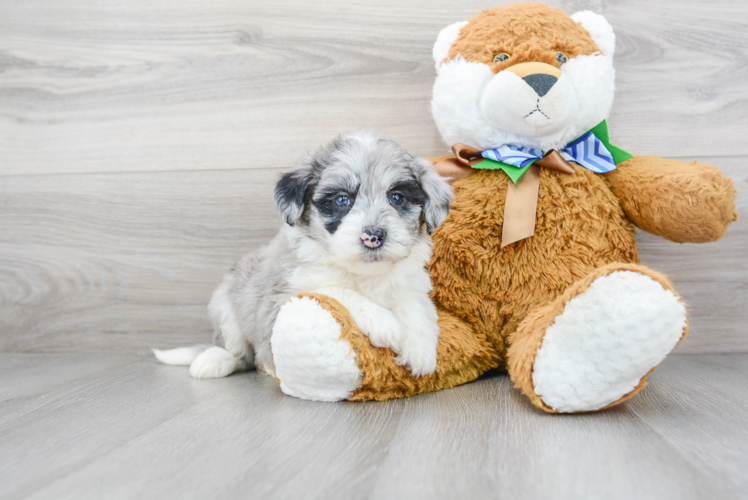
{"points": [[365, 199]]}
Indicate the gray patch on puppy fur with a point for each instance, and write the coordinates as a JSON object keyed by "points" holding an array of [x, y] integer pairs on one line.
{"points": [[218, 338]]}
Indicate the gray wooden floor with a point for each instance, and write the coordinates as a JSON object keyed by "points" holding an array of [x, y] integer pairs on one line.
{"points": [[76, 426], [139, 144]]}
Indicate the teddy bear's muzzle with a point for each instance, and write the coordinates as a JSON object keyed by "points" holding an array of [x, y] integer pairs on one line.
{"points": [[532, 99]]}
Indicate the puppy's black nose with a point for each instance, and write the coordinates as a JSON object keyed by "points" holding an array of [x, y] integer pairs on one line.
{"points": [[372, 237], [540, 82]]}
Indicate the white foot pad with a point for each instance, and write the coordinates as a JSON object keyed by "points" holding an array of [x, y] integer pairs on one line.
{"points": [[606, 340], [310, 359]]}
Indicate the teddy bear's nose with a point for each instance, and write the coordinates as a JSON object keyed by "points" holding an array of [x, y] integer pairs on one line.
{"points": [[540, 83], [541, 77]]}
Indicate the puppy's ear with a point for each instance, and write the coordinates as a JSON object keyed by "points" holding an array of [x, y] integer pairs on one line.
{"points": [[438, 193], [290, 192]]}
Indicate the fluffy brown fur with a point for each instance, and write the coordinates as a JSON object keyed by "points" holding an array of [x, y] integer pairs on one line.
{"points": [[580, 226], [685, 202], [527, 32], [496, 304], [511, 296], [462, 357]]}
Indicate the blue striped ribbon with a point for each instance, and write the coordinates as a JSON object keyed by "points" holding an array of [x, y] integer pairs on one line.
{"points": [[587, 151]]}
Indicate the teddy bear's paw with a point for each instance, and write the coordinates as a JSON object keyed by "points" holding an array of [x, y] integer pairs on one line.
{"points": [[311, 360], [607, 339]]}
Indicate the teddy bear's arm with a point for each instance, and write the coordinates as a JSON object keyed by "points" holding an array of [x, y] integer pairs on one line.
{"points": [[683, 202]]}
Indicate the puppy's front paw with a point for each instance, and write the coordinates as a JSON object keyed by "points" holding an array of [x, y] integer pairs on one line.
{"points": [[418, 355], [382, 328]]}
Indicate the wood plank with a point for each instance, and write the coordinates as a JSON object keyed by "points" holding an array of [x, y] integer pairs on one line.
{"points": [[93, 421], [194, 85], [54, 433], [128, 261], [488, 441], [30, 379], [143, 430], [97, 262], [692, 391]]}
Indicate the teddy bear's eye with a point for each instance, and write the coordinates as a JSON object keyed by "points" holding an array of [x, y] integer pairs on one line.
{"points": [[561, 57], [501, 57]]}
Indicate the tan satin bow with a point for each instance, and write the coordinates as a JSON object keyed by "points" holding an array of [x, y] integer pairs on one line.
{"points": [[521, 203]]}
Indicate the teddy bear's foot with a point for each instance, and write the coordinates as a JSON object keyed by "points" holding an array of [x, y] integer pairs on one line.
{"points": [[311, 360], [321, 354], [594, 346]]}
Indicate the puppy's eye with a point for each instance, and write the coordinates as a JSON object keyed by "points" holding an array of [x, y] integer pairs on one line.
{"points": [[396, 199], [342, 201], [501, 57], [561, 57]]}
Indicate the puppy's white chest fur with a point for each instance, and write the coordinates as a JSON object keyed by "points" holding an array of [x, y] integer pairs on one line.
{"points": [[393, 308]]}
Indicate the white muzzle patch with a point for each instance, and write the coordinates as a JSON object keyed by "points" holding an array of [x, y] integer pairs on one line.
{"points": [[527, 106]]}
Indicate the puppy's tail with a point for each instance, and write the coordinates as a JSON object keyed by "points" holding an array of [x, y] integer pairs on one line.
{"points": [[179, 356]]}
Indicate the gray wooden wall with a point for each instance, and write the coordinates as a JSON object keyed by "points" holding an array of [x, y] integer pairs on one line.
{"points": [[140, 140]]}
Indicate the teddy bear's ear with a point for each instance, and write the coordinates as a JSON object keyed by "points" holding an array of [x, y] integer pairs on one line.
{"points": [[599, 28], [444, 42]]}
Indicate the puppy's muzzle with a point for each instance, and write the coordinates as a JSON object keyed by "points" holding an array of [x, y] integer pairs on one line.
{"points": [[540, 77], [372, 237]]}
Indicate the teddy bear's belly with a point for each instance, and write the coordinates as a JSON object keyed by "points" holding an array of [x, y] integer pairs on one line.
{"points": [[579, 226]]}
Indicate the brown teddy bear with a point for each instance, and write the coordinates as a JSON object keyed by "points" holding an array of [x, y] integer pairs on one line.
{"points": [[535, 269]]}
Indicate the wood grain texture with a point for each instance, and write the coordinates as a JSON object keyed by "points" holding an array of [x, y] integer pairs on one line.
{"points": [[91, 86], [139, 143], [122, 260], [129, 260], [121, 426]]}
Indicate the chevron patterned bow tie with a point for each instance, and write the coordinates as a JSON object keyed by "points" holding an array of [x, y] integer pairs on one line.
{"points": [[592, 151], [587, 151]]}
